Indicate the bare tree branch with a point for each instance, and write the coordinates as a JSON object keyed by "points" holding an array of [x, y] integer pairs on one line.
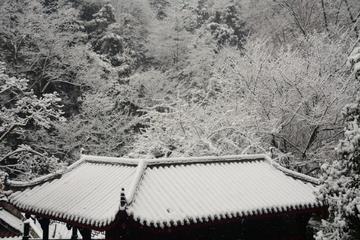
{"points": [[325, 19], [13, 127], [352, 19], [22, 150]]}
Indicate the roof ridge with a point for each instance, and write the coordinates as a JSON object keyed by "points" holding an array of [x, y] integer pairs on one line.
{"points": [[136, 181], [102, 159], [205, 159], [74, 165], [176, 160], [142, 164], [291, 172]]}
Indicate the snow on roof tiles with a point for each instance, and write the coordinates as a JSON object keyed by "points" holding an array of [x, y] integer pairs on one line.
{"points": [[169, 192], [89, 194], [11, 220], [173, 194]]}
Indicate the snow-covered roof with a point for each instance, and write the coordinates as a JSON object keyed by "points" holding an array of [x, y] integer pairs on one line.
{"points": [[14, 223], [167, 192]]}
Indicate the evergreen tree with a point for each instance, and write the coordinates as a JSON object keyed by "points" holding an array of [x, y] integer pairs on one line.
{"points": [[341, 178]]}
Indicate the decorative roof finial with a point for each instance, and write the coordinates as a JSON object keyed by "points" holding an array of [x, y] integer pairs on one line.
{"points": [[122, 199]]}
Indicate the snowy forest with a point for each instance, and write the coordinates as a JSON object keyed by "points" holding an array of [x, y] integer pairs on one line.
{"points": [[165, 78]]}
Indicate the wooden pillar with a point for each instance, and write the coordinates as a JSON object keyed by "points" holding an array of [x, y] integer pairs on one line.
{"points": [[86, 233], [303, 220], [26, 235], [74, 235], [44, 222]]}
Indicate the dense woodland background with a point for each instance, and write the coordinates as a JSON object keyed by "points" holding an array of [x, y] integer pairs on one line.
{"points": [[158, 78]]}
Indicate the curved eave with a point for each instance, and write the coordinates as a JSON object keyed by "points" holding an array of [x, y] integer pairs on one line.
{"points": [[18, 185], [8, 230], [120, 216], [191, 224]]}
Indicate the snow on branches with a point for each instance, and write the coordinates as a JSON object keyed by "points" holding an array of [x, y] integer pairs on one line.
{"points": [[354, 61], [22, 110]]}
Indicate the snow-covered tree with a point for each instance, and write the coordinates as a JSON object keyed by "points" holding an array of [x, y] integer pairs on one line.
{"points": [[22, 111], [200, 128], [195, 112], [169, 41], [282, 22], [341, 178], [159, 7], [116, 36], [106, 125], [297, 95], [46, 45]]}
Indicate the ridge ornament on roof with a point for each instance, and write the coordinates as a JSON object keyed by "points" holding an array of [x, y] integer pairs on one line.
{"points": [[168, 195]]}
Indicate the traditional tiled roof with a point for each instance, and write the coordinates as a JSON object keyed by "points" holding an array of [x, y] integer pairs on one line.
{"points": [[167, 192], [12, 226]]}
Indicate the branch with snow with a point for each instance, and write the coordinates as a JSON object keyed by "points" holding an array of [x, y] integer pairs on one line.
{"points": [[12, 128], [22, 148], [21, 111]]}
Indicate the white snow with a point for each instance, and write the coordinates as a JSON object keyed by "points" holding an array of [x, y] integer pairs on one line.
{"points": [[218, 189], [88, 194], [11, 220], [136, 180]]}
